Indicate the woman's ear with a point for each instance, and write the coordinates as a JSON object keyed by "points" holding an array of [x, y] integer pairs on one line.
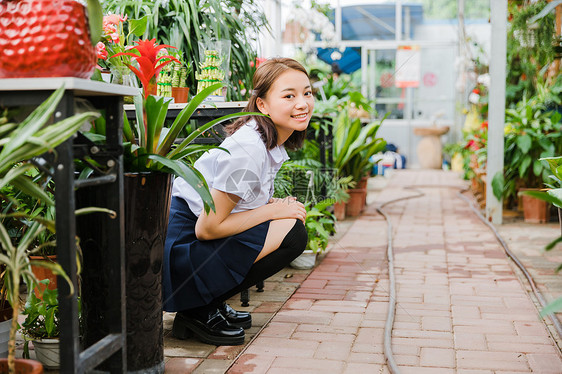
{"points": [[261, 106]]}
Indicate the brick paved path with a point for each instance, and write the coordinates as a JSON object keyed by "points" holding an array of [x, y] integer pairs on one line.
{"points": [[460, 306]]}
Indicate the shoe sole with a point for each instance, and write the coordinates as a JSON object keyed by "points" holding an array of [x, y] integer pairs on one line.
{"points": [[188, 330]]}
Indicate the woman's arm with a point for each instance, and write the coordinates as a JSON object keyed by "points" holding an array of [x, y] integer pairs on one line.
{"points": [[223, 223]]}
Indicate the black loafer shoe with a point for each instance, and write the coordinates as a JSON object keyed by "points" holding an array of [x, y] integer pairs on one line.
{"points": [[212, 330], [236, 318]]}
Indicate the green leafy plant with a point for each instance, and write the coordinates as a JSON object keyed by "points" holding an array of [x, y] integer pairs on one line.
{"points": [[185, 23], [20, 142], [42, 319], [354, 144], [530, 48], [320, 224], [531, 133], [552, 198]]}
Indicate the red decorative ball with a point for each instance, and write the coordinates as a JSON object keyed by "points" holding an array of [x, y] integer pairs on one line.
{"points": [[45, 38]]}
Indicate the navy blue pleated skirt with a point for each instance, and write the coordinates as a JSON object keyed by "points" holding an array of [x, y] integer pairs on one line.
{"points": [[196, 272]]}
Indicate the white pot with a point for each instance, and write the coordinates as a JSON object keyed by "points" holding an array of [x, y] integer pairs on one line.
{"points": [[306, 260], [4, 337], [47, 352]]}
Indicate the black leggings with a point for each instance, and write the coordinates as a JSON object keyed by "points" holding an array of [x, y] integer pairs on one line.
{"points": [[292, 246]]}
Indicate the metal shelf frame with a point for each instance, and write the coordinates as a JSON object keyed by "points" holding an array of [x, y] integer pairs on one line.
{"points": [[111, 349]]}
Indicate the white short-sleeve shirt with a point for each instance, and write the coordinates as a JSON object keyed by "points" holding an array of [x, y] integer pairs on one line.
{"points": [[248, 171]]}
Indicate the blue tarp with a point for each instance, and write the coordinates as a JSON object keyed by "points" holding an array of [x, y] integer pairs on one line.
{"points": [[369, 22]]}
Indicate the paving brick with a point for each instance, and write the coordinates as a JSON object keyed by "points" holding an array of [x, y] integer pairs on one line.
{"points": [[436, 323], [324, 365], [226, 352], [317, 296], [302, 316], [530, 339], [530, 328], [314, 283], [323, 337], [210, 366], [282, 347], [181, 365], [437, 357], [545, 363], [491, 360], [371, 358], [459, 311], [327, 329], [369, 336], [279, 329], [419, 342], [421, 370], [268, 307], [521, 347], [355, 368], [421, 334], [347, 319], [497, 330], [298, 304], [333, 350]]}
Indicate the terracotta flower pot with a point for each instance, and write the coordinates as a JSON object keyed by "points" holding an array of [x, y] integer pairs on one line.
{"points": [[356, 202], [45, 38], [44, 273], [339, 211], [535, 210], [180, 94], [22, 366]]}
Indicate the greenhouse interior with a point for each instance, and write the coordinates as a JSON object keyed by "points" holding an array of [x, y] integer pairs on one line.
{"points": [[234, 186]]}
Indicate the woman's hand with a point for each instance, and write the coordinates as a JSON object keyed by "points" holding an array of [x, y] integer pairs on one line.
{"points": [[288, 207]]}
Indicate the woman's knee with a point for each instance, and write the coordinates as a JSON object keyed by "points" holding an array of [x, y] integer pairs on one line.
{"points": [[296, 239]]}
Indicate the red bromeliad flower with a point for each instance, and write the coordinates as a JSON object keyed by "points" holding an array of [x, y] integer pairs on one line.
{"points": [[149, 64]]}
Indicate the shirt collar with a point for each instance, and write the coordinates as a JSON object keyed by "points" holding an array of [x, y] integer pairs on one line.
{"points": [[277, 153]]}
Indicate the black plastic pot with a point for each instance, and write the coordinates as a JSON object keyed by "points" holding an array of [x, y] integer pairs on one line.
{"points": [[147, 205]]}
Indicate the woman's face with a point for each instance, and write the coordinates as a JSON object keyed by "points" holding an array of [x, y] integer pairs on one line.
{"points": [[289, 102]]}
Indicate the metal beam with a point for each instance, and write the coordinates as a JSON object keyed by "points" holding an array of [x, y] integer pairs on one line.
{"points": [[496, 111]]}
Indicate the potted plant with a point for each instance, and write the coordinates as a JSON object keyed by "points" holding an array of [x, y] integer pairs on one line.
{"points": [[320, 225], [20, 142], [41, 326], [181, 24], [532, 132], [180, 91], [353, 146], [341, 196]]}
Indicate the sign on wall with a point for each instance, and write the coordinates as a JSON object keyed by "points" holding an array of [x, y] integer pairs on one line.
{"points": [[408, 66]]}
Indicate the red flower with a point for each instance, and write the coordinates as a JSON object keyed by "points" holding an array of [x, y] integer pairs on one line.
{"points": [[101, 52], [476, 91], [484, 125], [149, 64], [259, 61]]}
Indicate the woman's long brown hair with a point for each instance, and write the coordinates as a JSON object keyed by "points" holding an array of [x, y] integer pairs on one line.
{"points": [[264, 77]]}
